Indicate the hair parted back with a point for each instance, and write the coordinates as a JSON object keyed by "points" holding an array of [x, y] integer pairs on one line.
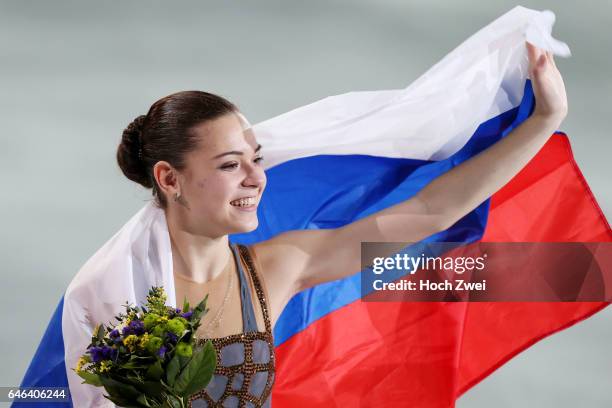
{"points": [[165, 133]]}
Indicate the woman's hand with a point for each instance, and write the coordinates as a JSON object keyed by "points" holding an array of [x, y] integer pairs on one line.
{"points": [[548, 86]]}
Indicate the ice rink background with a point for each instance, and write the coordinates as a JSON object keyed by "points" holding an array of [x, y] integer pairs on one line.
{"points": [[75, 73]]}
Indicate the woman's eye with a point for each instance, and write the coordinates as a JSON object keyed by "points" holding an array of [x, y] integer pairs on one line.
{"points": [[235, 165], [230, 166]]}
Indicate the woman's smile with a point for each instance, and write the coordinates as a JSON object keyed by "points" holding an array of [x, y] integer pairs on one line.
{"points": [[248, 204]]}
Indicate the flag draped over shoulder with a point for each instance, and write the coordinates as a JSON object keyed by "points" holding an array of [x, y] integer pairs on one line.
{"points": [[343, 158]]}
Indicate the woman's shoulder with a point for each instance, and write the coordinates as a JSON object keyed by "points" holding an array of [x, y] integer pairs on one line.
{"points": [[274, 265], [271, 258]]}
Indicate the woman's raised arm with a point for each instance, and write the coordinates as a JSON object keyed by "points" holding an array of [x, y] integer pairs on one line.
{"points": [[297, 260]]}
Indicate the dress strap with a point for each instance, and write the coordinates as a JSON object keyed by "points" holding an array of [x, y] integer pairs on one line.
{"points": [[258, 288], [248, 314]]}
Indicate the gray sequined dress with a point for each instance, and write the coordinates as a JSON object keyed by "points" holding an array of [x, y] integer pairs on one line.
{"points": [[245, 368]]}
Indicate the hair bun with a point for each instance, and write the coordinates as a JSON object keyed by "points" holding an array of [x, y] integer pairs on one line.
{"points": [[129, 153], [133, 131]]}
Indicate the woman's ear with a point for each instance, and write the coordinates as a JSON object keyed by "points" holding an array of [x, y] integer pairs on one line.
{"points": [[167, 178]]}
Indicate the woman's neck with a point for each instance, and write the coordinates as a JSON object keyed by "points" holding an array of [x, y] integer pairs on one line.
{"points": [[196, 257]]}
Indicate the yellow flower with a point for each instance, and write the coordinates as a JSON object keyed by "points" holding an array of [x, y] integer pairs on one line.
{"points": [[82, 361], [105, 366], [144, 340], [163, 319], [130, 342]]}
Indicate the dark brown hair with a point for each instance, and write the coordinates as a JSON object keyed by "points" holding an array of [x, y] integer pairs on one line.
{"points": [[164, 133]]}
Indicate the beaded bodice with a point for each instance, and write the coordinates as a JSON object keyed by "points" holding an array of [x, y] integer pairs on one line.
{"points": [[245, 362]]}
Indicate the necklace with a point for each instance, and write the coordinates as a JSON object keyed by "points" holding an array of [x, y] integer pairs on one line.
{"points": [[215, 322]]}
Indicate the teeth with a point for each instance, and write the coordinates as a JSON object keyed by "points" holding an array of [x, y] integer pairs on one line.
{"points": [[243, 202]]}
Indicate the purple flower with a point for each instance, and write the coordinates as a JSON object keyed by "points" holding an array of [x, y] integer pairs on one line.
{"points": [[114, 334], [102, 353], [171, 338], [127, 330], [178, 311], [137, 327], [187, 315], [107, 352], [161, 352], [95, 353]]}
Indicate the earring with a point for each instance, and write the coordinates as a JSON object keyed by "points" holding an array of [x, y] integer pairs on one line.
{"points": [[177, 195]]}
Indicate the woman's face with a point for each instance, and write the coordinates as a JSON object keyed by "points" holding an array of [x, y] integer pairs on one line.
{"points": [[223, 180]]}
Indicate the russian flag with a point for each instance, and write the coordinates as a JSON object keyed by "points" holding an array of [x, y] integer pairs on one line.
{"points": [[375, 150], [356, 353]]}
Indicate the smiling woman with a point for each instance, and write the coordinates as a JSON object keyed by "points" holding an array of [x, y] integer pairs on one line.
{"points": [[197, 153]]}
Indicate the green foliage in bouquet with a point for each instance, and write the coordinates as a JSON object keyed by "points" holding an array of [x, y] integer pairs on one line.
{"points": [[150, 358]]}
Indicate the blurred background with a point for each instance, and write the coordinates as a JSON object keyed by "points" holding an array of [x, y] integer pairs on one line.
{"points": [[75, 73]]}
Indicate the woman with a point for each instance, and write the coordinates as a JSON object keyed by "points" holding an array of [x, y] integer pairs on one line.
{"points": [[204, 166]]}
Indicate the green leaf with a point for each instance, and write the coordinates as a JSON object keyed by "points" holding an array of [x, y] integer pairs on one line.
{"points": [[138, 362], [184, 361], [201, 307], [90, 378], [132, 365], [99, 332], [132, 377], [129, 378], [151, 389], [143, 400], [118, 389], [175, 401], [172, 370], [198, 372], [143, 358], [155, 371]]}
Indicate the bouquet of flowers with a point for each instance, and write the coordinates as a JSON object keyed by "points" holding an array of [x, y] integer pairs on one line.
{"points": [[150, 358]]}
